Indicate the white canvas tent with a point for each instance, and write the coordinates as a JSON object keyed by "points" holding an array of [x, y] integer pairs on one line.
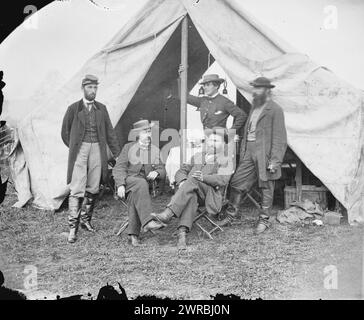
{"points": [[323, 113]]}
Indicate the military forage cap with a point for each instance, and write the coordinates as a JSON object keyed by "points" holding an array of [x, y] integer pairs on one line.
{"points": [[89, 79]]}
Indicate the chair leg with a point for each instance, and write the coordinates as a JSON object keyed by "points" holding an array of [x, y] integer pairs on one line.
{"points": [[253, 200], [123, 227], [217, 227], [204, 230]]}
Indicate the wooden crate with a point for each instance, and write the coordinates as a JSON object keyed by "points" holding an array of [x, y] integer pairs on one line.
{"points": [[313, 193]]}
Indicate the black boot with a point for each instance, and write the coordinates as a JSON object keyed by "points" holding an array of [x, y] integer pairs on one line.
{"points": [[234, 203], [133, 240], [263, 222], [165, 216], [181, 242], [87, 210], [73, 217], [232, 209]]}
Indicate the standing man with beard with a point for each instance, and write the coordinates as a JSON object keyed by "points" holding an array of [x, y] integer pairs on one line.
{"points": [[261, 154], [86, 131]]}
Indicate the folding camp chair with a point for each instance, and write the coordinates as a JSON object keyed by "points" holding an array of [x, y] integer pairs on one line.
{"points": [[125, 224], [203, 215]]}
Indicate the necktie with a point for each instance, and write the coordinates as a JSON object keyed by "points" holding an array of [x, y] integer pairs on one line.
{"points": [[89, 105]]}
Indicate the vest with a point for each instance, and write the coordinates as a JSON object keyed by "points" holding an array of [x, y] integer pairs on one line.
{"points": [[91, 135]]}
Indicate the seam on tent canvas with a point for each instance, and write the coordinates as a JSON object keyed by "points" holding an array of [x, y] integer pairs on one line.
{"points": [[264, 31], [137, 19], [105, 64], [141, 40]]}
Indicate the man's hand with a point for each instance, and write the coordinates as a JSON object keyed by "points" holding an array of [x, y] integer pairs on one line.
{"points": [[121, 192], [198, 175], [236, 138], [152, 175], [181, 68], [272, 168]]}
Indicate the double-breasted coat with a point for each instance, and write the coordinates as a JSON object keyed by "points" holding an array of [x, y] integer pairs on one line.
{"points": [[73, 131], [214, 111]]}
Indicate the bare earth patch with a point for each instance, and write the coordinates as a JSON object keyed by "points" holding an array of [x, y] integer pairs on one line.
{"points": [[286, 262]]}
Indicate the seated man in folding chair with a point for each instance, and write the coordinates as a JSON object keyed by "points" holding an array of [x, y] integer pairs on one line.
{"points": [[138, 164], [201, 182], [261, 154]]}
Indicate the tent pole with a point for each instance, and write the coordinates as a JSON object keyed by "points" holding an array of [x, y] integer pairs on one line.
{"points": [[183, 75]]}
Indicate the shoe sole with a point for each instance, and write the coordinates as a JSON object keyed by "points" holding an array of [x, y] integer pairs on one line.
{"points": [[87, 229], [161, 221]]}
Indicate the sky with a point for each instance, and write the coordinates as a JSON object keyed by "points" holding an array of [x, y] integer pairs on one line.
{"points": [[63, 35]]}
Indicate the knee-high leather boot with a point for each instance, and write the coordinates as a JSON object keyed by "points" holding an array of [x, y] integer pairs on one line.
{"points": [[232, 210], [73, 217], [181, 242], [87, 209]]}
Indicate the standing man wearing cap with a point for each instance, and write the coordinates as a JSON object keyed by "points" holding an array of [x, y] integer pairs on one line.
{"points": [[201, 182], [215, 108], [139, 163], [86, 131], [261, 154]]}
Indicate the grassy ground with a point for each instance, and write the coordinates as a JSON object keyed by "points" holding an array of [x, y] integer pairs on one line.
{"points": [[285, 262]]}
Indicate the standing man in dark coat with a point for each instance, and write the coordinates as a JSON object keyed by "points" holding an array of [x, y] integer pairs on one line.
{"points": [[200, 182], [86, 131], [261, 154], [138, 164]]}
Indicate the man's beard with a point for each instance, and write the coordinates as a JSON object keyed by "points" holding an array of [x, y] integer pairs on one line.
{"points": [[259, 100], [145, 142], [90, 97]]}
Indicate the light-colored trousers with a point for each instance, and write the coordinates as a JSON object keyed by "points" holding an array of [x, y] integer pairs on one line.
{"points": [[86, 173]]}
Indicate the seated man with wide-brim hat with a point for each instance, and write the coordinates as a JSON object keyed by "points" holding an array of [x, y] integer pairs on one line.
{"points": [[138, 164]]}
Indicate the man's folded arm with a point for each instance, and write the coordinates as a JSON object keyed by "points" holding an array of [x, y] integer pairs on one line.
{"points": [[182, 173]]}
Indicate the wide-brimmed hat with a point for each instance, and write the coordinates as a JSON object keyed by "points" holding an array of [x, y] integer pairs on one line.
{"points": [[210, 78], [90, 79], [141, 125], [262, 82]]}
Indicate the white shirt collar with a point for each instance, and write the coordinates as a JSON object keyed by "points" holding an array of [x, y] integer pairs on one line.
{"points": [[215, 95], [85, 102]]}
